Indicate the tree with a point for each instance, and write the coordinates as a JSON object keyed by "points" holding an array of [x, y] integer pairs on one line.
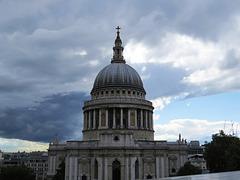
{"points": [[223, 153], [17, 173], [188, 169], [60, 175]]}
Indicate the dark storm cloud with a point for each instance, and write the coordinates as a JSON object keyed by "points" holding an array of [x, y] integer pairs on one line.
{"points": [[60, 113]]}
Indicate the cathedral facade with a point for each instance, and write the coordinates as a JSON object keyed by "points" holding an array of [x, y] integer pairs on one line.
{"points": [[118, 135]]}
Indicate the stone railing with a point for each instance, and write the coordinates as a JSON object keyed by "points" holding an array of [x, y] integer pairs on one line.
{"points": [[82, 144], [118, 101], [152, 144]]}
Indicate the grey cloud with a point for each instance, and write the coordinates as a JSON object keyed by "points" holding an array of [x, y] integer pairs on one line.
{"points": [[60, 113], [164, 80], [231, 61]]}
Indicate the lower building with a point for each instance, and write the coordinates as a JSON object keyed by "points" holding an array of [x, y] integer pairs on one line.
{"points": [[14, 158], [117, 156], [198, 161], [38, 161], [196, 155]]}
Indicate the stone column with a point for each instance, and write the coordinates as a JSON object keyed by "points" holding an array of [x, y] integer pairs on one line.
{"points": [[71, 168], [85, 120], [87, 124], [182, 160], [92, 168], [50, 164], [99, 123], [141, 119], [162, 167], [105, 169], [166, 165], [54, 164], [75, 168], [114, 118], [80, 171], [140, 168], [106, 118], [66, 167], [128, 118], [150, 119], [146, 119], [132, 168], [136, 125], [89, 120], [121, 118], [157, 167], [178, 161], [100, 168], [126, 169], [94, 119]]}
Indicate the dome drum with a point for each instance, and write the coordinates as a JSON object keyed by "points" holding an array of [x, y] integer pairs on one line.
{"points": [[113, 115]]}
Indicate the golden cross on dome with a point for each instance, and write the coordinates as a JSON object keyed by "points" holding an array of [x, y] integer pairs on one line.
{"points": [[118, 29]]}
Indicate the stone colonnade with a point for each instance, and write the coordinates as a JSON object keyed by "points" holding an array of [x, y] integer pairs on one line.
{"points": [[117, 118], [130, 167]]}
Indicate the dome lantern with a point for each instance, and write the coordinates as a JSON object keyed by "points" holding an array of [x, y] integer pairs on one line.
{"points": [[118, 49]]}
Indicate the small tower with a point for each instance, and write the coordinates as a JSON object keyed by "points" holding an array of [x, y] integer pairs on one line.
{"points": [[118, 49]]}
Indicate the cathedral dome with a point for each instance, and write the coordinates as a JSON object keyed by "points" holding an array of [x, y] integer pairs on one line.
{"points": [[118, 75]]}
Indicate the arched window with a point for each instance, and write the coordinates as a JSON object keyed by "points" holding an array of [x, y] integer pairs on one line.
{"points": [[137, 169], [95, 169], [116, 170], [149, 177], [84, 177]]}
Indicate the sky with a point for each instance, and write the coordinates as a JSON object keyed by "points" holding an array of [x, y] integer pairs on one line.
{"points": [[186, 52]]}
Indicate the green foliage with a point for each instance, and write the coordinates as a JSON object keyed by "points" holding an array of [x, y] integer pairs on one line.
{"points": [[223, 153], [60, 175], [188, 169], [17, 173]]}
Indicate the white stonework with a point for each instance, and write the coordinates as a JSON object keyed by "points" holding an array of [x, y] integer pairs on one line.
{"points": [[118, 136]]}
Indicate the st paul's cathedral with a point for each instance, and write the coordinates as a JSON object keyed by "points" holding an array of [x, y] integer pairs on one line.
{"points": [[118, 136]]}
